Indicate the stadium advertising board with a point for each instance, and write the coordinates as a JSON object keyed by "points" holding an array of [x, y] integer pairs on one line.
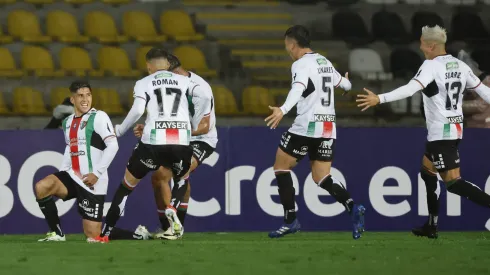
{"points": [[235, 189]]}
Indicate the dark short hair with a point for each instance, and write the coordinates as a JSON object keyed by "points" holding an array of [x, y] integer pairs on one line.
{"points": [[156, 53], [78, 84], [174, 62], [300, 34]]}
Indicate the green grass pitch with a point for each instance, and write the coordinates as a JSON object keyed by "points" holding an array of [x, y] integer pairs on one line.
{"points": [[305, 253]]}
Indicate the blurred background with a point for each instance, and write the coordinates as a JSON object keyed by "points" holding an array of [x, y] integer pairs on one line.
{"points": [[237, 45]]}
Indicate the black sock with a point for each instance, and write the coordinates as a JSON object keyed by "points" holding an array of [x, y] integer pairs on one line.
{"points": [[470, 191], [286, 193], [123, 234], [164, 223], [181, 212], [178, 192], [431, 184], [338, 191], [116, 209], [50, 211]]}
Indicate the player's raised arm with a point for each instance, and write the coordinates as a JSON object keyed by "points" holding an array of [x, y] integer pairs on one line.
{"points": [[342, 82], [137, 110], [475, 84]]}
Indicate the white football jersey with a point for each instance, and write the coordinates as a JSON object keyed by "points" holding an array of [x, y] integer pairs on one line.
{"points": [[444, 79], [315, 110], [167, 119], [200, 108], [85, 137]]}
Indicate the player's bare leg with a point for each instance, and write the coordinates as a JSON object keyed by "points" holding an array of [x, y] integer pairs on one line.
{"points": [[91, 229], [320, 171], [162, 196], [45, 190], [282, 169], [428, 173]]}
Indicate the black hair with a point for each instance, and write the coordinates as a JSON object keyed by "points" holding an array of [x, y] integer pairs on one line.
{"points": [[174, 62], [156, 53], [300, 34], [78, 84]]}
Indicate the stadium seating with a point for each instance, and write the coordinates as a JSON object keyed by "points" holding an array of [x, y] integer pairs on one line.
{"points": [[141, 58], [420, 2], [256, 100], [278, 96], [366, 63], [58, 95], [27, 101], [115, 61], [483, 57], [3, 106], [38, 60], [388, 26], [385, 2], [78, 2], [107, 100], [76, 61], [193, 59], [460, 2], [5, 39], [7, 66], [39, 2], [224, 100], [115, 2], [467, 26], [63, 27], [178, 25], [139, 26], [424, 18], [101, 26], [404, 63], [24, 25], [349, 26]]}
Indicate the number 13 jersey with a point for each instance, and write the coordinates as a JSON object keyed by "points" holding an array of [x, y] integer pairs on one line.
{"points": [[167, 119], [444, 79], [315, 110]]}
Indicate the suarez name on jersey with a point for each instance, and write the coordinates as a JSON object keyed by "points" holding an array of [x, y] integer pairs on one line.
{"points": [[167, 120], [315, 110], [444, 79]]}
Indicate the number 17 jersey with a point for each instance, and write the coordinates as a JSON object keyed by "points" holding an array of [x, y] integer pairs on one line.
{"points": [[444, 79], [167, 109]]}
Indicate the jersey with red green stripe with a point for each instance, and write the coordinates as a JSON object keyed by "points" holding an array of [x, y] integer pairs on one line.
{"points": [[167, 109], [85, 137], [444, 79], [315, 110]]}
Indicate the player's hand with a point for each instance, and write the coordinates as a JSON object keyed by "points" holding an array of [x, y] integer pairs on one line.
{"points": [[274, 119], [346, 77], [138, 130], [90, 179], [368, 100]]}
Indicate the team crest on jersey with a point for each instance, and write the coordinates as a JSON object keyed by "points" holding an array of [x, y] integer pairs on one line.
{"points": [[452, 65], [321, 61], [160, 75], [74, 125], [83, 124]]}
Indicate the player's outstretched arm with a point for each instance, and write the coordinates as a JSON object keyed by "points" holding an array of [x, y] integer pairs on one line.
{"points": [[294, 96], [483, 91], [137, 110], [342, 82], [371, 99]]}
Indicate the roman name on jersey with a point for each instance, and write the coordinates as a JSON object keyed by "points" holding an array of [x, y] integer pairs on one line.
{"points": [[324, 118], [455, 119], [325, 70], [453, 75], [165, 81], [170, 125]]}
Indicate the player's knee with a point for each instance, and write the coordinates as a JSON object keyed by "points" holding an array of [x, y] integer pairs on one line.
{"points": [[92, 230], [44, 188]]}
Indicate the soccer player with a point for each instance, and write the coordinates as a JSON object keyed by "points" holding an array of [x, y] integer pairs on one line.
{"points": [[90, 148], [442, 79], [165, 141], [204, 138], [313, 131]]}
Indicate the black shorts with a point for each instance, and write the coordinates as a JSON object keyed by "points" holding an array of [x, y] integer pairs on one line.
{"points": [[444, 154], [146, 158], [90, 206], [316, 148], [201, 150]]}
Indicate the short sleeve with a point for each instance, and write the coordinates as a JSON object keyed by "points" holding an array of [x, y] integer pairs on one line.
{"points": [[472, 81], [337, 78], [103, 125], [139, 90], [425, 74], [299, 73]]}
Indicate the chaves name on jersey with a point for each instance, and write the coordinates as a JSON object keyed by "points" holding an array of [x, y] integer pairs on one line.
{"points": [[325, 70]]}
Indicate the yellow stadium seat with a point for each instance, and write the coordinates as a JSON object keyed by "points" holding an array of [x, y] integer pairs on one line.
{"points": [[62, 26], [27, 101], [58, 95], [278, 96], [193, 59], [39, 2], [141, 58], [107, 100], [7, 66], [101, 25], [115, 107], [256, 100], [140, 26], [224, 101], [5, 39], [5, 2], [178, 25], [116, 61], [113, 2], [78, 2], [24, 25], [3, 107], [76, 61], [39, 61]]}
